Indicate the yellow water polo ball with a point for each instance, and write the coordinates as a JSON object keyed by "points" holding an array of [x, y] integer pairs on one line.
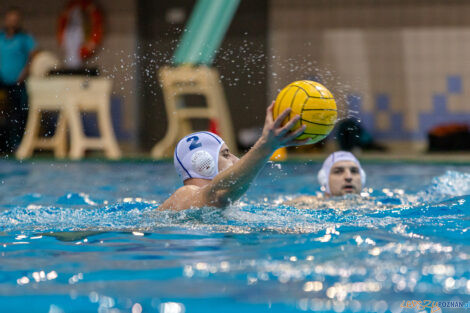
{"points": [[315, 105]]}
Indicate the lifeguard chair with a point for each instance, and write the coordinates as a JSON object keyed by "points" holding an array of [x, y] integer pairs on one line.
{"points": [[192, 75], [69, 96]]}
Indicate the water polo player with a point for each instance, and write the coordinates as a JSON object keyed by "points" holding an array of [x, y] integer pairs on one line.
{"points": [[212, 176], [340, 174]]}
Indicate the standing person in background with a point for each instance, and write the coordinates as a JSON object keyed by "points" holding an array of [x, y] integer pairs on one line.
{"points": [[17, 48]]}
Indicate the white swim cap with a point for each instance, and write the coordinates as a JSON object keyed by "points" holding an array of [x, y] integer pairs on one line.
{"points": [[324, 173], [197, 155]]}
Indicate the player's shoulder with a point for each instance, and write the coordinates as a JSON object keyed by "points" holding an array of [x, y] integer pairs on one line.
{"points": [[181, 199], [188, 189], [185, 194]]}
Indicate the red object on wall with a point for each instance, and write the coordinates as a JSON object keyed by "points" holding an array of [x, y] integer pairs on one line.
{"points": [[93, 30], [213, 127], [449, 137], [447, 129]]}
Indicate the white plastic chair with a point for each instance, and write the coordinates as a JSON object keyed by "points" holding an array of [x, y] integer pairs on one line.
{"points": [[184, 80], [69, 96]]}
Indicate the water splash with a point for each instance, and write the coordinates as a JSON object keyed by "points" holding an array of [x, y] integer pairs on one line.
{"points": [[447, 197]]}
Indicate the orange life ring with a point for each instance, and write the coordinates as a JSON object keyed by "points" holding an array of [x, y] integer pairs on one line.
{"points": [[93, 19]]}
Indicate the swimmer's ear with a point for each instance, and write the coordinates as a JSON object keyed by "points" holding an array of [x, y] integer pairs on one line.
{"points": [[322, 179], [363, 176]]}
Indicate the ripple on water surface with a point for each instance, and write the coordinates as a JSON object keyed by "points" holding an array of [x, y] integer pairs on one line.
{"points": [[352, 254]]}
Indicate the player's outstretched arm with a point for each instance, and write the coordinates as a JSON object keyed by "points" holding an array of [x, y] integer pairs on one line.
{"points": [[231, 184]]}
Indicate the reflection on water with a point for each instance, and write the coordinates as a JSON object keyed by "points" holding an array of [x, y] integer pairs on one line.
{"points": [[72, 246]]}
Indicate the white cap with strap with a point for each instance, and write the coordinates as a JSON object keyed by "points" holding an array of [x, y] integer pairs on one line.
{"points": [[324, 173], [197, 155]]}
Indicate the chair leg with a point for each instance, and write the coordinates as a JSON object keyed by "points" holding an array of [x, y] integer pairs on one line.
{"points": [[26, 148], [106, 129], [77, 144], [60, 137], [216, 101], [171, 137], [174, 129], [203, 81]]}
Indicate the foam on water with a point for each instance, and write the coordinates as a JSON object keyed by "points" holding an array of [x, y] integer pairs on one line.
{"points": [[275, 249], [447, 195]]}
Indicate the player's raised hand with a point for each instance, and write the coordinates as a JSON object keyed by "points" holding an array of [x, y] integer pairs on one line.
{"points": [[275, 135]]}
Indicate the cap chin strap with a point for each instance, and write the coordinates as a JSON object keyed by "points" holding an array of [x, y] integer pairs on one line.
{"points": [[323, 179]]}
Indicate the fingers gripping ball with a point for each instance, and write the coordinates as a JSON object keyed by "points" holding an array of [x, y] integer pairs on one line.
{"points": [[315, 105]]}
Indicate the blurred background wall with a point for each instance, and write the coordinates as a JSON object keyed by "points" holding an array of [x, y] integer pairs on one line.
{"points": [[400, 66], [241, 62]]}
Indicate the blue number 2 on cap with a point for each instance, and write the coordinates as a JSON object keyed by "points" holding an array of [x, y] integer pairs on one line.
{"points": [[194, 142]]}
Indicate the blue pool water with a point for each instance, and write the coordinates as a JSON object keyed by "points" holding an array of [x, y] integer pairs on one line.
{"points": [[85, 237]]}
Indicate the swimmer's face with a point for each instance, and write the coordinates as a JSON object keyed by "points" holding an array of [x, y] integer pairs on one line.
{"points": [[345, 177], [226, 159]]}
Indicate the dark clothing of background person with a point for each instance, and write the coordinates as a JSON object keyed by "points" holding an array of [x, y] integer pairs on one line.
{"points": [[13, 115], [16, 51]]}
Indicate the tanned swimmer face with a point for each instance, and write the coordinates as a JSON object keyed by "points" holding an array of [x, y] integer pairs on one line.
{"points": [[226, 159], [345, 178]]}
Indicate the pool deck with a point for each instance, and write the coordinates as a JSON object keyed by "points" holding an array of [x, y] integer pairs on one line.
{"points": [[441, 157]]}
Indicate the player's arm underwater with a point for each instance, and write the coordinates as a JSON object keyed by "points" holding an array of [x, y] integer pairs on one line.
{"points": [[230, 184]]}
